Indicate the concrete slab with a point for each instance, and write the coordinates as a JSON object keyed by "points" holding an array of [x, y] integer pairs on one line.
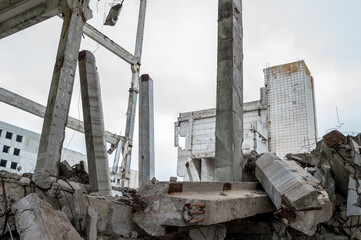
{"points": [[166, 208]]}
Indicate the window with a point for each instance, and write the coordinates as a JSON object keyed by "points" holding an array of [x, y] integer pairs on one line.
{"points": [[9, 135], [6, 149], [1, 132], [118, 181], [16, 151], [13, 165], [19, 138], [3, 163]]}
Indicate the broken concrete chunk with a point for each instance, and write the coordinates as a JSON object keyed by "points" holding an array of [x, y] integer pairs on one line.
{"points": [[42, 180], [25, 181], [295, 192], [36, 219], [65, 169], [306, 159], [353, 197]]}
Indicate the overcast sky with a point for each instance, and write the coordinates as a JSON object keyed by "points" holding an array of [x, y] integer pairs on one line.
{"points": [[180, 54]]}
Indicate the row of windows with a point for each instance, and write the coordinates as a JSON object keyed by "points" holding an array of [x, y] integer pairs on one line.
{"points": [[9, 135], [16, 151], [4, 162]]}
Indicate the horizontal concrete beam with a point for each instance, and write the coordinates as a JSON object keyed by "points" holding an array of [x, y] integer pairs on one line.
{"points": [[37, 109], [166, 208], [20, 14], [109, 44]]}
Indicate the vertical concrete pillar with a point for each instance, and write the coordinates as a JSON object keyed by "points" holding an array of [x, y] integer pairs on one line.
{"points": [[61, 88], [207, 170], [94, 125], [146, 130], [229, 118]]}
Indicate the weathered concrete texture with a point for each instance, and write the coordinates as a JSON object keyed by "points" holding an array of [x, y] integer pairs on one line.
{"points": [[111, 217], [36, 219], [295, 192], [20, 14], [91, 214], [229, 113], [165, 208], [61, 88], [94, 125], [192, 172], [146, 130], [207, 169]]}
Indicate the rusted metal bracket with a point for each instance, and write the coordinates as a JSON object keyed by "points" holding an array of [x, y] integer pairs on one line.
{"points": [[175, 188]]}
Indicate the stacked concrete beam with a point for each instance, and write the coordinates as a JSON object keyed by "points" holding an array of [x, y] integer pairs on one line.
{"points": [[146, 130], [61, 89], [229, 113], [94, 125], [302, 201]]}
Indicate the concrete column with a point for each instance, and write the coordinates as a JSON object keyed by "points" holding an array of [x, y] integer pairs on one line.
{"points": [[207, 170], [146, 130], [94, 125], [61, 88], [192, 172], [229, 115]]}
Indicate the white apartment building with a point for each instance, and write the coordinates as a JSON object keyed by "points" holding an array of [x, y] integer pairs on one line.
{"points": [[19, 150], [292, 124]]}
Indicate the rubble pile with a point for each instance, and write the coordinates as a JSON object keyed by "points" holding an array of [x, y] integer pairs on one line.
{"points": [[306, 196]]}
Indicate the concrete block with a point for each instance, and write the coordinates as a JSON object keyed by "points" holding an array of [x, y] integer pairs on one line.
{"points": [[292, 189], [113, 218], [36, 219]]}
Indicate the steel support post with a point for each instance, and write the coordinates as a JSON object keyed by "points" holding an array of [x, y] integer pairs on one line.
{"points": [[229, 112], [132, 103], [56, 115], [94, 124], [146, 130]]}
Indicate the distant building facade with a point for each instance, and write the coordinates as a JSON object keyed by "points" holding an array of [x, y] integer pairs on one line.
{"points": [[291, 108], [19, 150], [282, 121]]}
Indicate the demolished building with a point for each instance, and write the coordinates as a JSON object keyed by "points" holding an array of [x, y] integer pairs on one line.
{"points": [[303, 196], [282, 121]]}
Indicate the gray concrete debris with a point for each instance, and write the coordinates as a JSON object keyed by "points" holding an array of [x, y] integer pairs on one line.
{"points": [[42, 180], [305, 159], [166, 208], [76, 173], [298, 196], [192, 172], [36, 219]]}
